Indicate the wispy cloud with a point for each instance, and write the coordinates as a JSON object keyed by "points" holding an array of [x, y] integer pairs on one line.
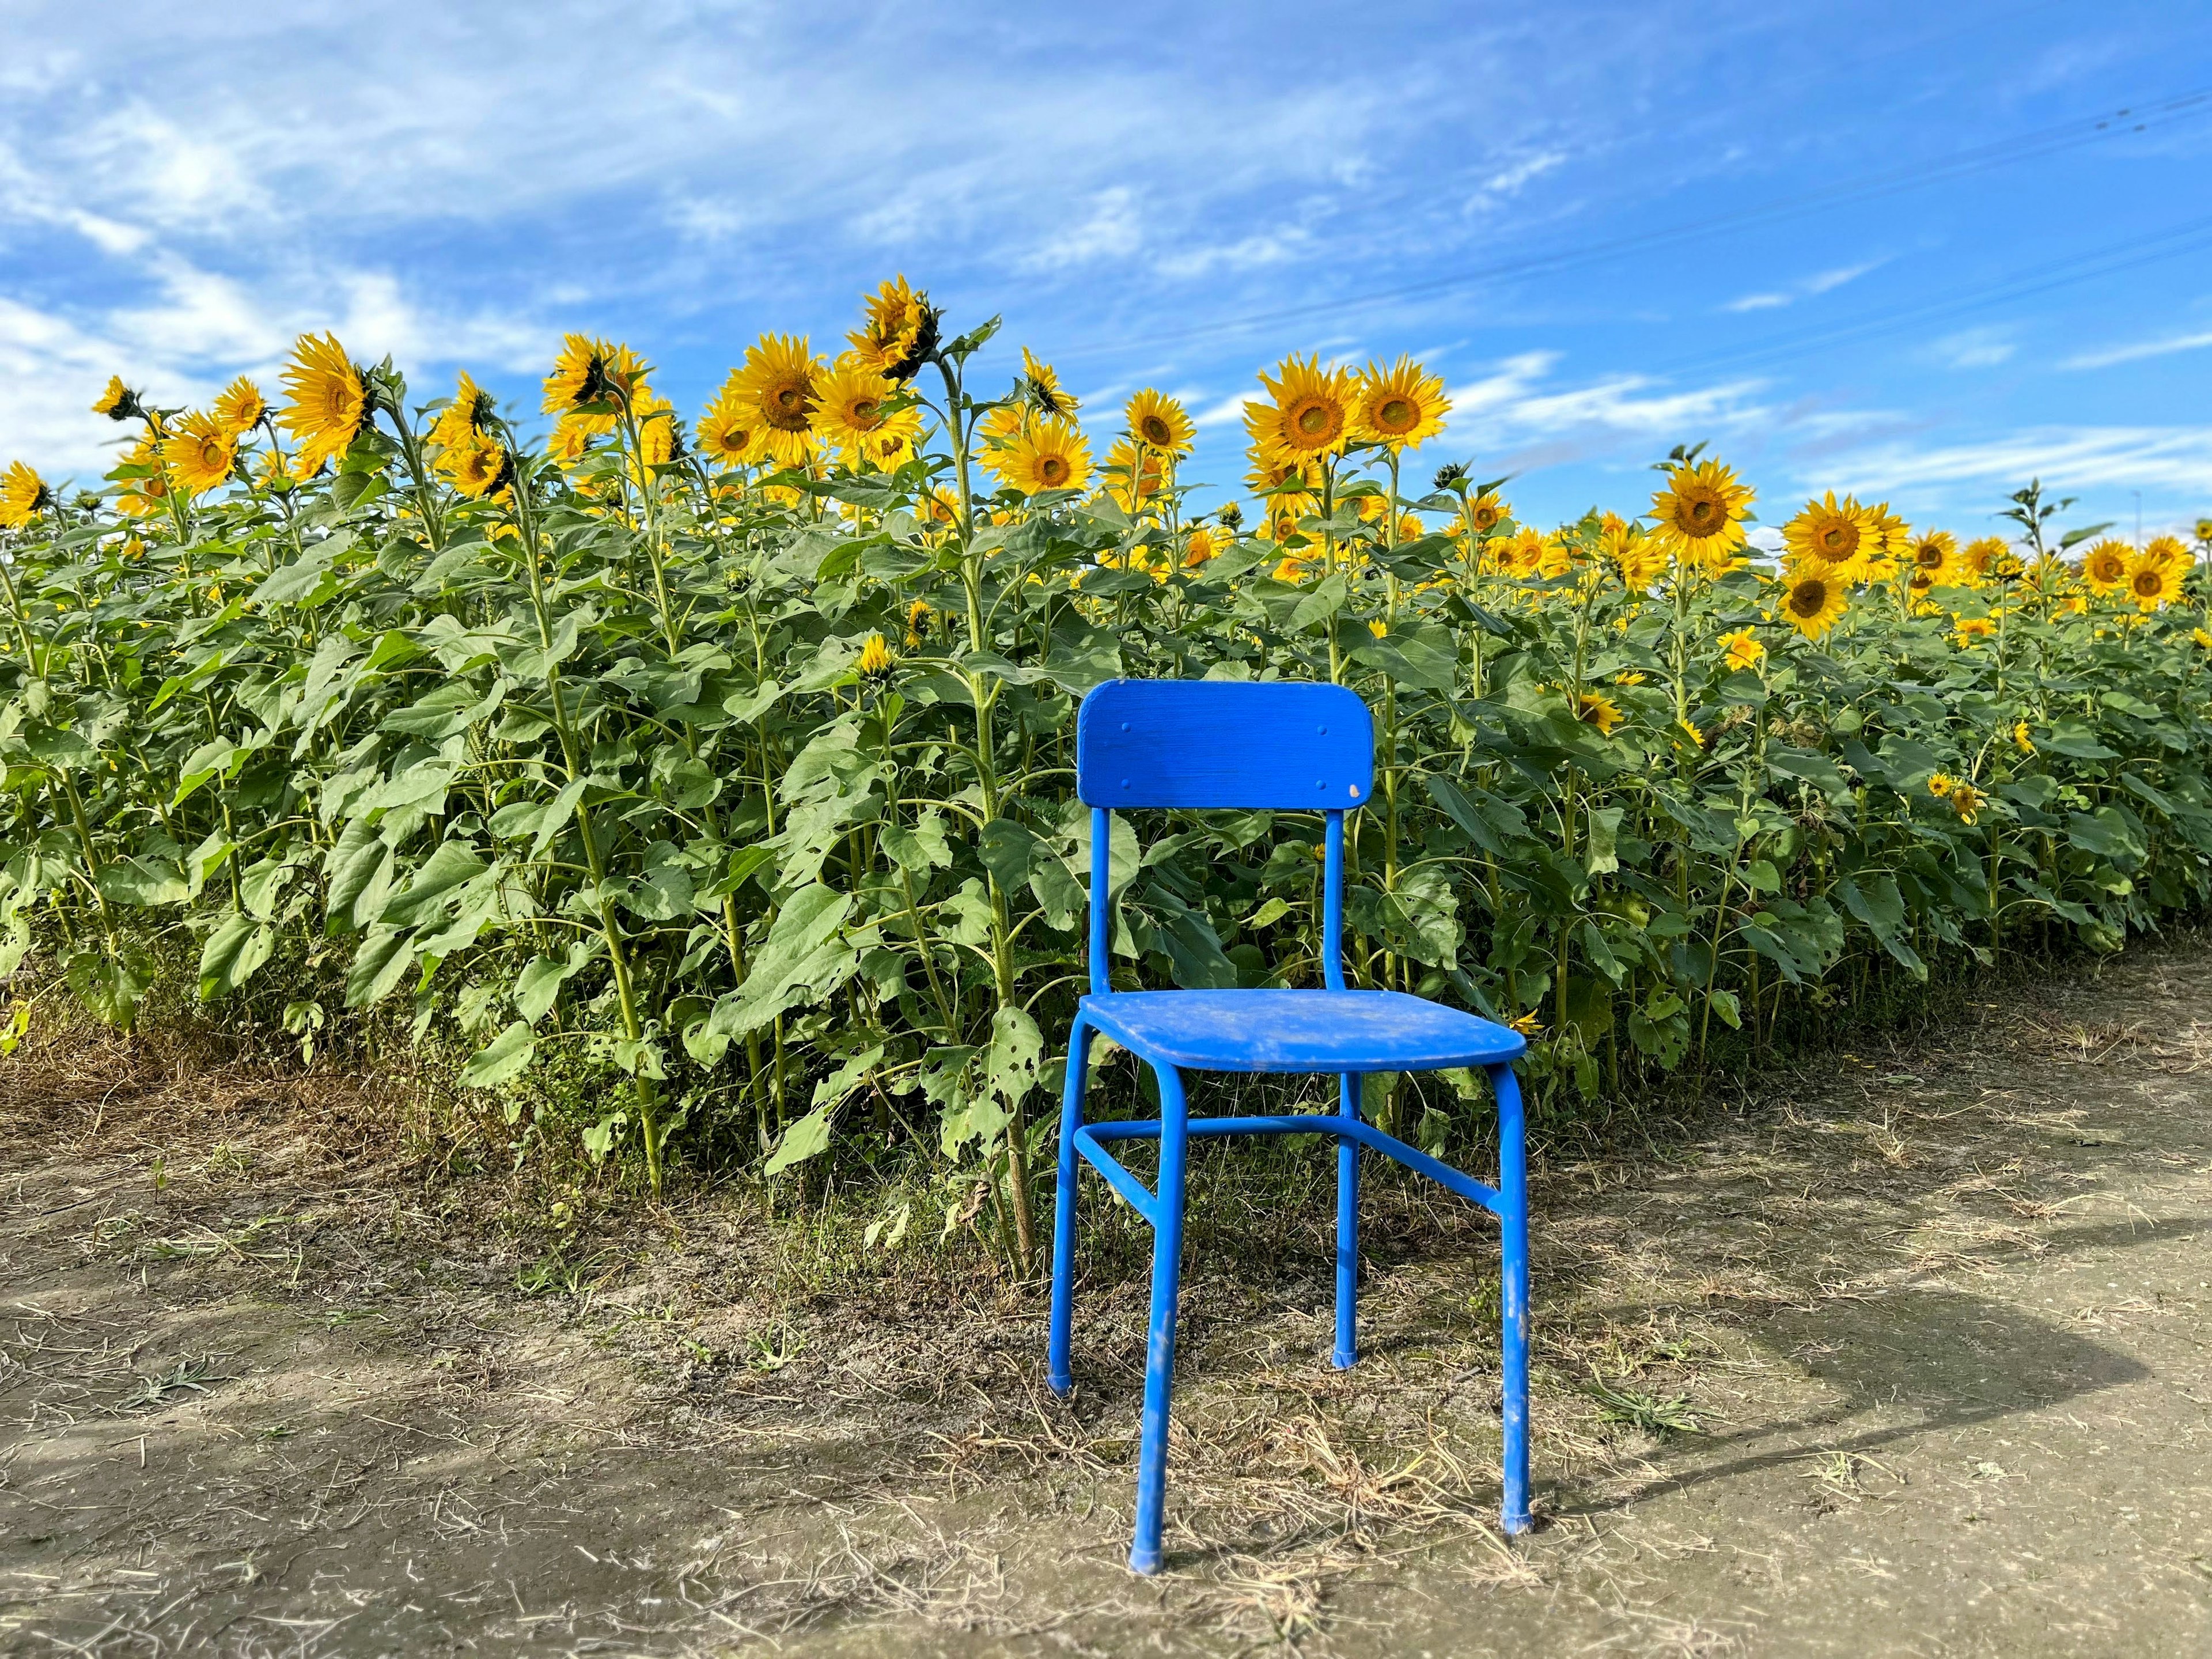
{"points": [[1975, 348], [2071, 458], [2140, 351], [1808, 288]]}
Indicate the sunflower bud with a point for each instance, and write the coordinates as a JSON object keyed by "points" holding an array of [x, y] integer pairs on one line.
{"points": [[1230, 517], [1450, 474]]}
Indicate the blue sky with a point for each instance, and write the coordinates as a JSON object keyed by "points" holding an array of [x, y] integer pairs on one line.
{"points": [[1885, 247]]}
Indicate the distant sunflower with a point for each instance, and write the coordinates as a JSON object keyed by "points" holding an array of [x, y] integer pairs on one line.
{"points": [[1982, 560], [1203, 543], [849, 413], [1833, 539], [727, 431], [1700, 515], [1051, 455], [23, 495], [1968, 632], [1595, 708], [779, 386], [1160, 421], [1487, 512], [1812, 603], [468, 414], [201, 454], [329, 403], [1742, 648], [238, 406], [1399, 407], [1637, 557], [2169, 550], [1966, 801], [1934, 555], [2104, 565], [2151, 584], [117, 401], [570, 441], [1311, 416], [1286, 486], [1130, 483], [1525, 552]]}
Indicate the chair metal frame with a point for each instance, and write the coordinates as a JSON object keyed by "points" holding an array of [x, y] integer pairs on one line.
{"points": [[1197, 744]]}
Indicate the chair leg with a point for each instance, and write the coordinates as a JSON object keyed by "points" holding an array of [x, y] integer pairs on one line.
{"points": [[1347, 1232], [1513, 1207], [1063, 1212], [1159, 1356]]}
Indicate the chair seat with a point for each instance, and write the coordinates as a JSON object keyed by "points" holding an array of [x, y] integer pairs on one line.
{"points": [[1300, 1031]]}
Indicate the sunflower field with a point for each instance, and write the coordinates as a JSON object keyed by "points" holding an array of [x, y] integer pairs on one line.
{"points": [[704, 788]]}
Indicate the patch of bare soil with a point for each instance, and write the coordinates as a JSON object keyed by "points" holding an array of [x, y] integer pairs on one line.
{"points": [[1907, 1354]]}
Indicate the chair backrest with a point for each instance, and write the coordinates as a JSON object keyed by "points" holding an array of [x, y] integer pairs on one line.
{"points": [[1205, 743]]}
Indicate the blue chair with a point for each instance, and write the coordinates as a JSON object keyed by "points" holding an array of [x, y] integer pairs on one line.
{"points": [[1205, 743]]}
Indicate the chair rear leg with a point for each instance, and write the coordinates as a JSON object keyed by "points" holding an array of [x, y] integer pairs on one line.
{"points": [[1159, 1355], [1063, 1212], [1513, 1207], [1347, 1232]]}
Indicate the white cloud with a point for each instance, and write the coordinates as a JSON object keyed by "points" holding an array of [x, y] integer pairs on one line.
{"points": [[2179, 459], [1111, 230], [1975, 348], [1509, 181], [1805, 289], [2138, 352]]}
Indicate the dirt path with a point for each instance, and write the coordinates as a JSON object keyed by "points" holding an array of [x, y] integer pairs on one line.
{"points": [[1911, 1356]]}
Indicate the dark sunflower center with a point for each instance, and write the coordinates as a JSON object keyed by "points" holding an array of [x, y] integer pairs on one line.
{"points": [[1396, 415], [1698, 513], [863, 411], [1054, 470], [1807, 598], [1157, 431], [1313, 420], [2147, 582], [1930, 556]]}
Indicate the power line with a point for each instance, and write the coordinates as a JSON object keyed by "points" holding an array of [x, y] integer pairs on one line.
{"points": [[2129, 119]]}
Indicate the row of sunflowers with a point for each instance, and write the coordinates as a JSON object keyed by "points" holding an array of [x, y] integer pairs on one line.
{"points": [[730, 760]]}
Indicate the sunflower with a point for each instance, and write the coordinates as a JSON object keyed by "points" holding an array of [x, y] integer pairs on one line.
{"points": [[1893, 543], [468, 414], [118, 402], [1525, 552], [1743, 649], [1812, 603], [201, 454], [2020, 740], [1983, 560], [1160, 421], [1199, 545], [1832, 539], [1637, 557], [876, 659], [2151, 583], [1399, 407], [1940, 784], [478, 467], [592, 382], [779, 386], [148, 493], [850, 415], [240, 406], [726, 431], [1487, 512], [1935, 557], [330, 404], [2104, 565], [1051, 455], [23, 496], [1311, 415], [660, 438], [1700, 515], [570, 441], [900, 332], [279, 472], [2170, 549], [1595, 708], [1040, 388], [1287, 486], [1968, 632], [1965, 800]]}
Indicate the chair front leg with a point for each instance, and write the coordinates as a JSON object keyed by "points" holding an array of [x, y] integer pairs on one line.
{"points": [[1159, 1354], [1513, 1298], [1348, 1230], [1063, 1210]]}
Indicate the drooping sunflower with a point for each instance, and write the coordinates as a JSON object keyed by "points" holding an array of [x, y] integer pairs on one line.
{"points": [[1595, 708], [850, 415], [779, 386], [2104, 565], [1833, 539], [1742, 648], [239, 405], [898, 332], [1700, 515], [1053, 454], [329, 402], [117, 401], [1160, 423], [2152, 583], [23, 495], [1813, 603], [201, 454], [1399, 407], [1311, 415], [1934, 555], [468, 414]]}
